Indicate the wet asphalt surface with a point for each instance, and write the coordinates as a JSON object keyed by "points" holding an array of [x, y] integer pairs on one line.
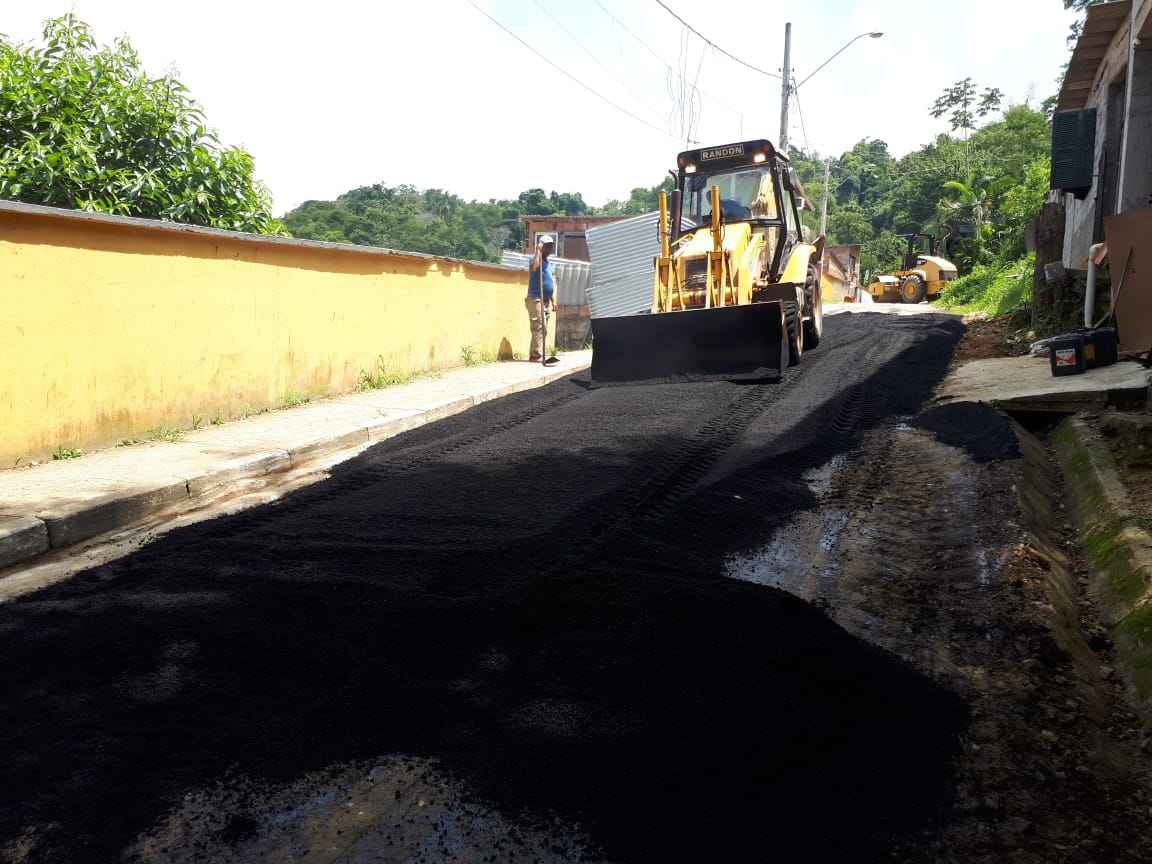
{"points": [[530, 597]]}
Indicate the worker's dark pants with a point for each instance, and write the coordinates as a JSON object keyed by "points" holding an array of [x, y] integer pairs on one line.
{"points": [[536, 354]]}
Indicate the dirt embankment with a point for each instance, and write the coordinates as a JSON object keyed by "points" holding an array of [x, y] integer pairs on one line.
{"points": [[985, 337]]}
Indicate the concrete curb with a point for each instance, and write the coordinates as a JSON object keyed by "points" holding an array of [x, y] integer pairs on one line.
{"points": [[1119, 550], [25, 536], [21, 537]]}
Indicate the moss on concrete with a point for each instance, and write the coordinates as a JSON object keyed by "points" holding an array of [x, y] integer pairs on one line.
{"points": [[1117, 544]]}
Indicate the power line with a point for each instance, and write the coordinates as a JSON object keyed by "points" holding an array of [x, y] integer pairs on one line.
{"points": [[803, 128], [595, 59], [697, 102], [727, 54], [687, 105], [660, 59], [569, 75]]}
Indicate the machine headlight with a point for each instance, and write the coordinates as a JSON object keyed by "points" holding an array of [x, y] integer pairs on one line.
{"points": [[759, 157], [689, 168]]}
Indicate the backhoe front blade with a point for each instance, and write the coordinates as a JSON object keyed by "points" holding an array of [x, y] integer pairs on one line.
{"points": [[729, 343]]}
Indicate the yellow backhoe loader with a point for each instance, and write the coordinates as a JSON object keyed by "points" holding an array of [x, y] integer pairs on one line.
{"points": [[736, 296], [922, 277]]}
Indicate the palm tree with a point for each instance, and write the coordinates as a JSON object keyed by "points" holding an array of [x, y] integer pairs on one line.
{"points": [[963, 214]]}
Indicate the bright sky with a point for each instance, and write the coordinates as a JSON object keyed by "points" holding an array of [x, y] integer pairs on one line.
{"points": [[328, 96]]}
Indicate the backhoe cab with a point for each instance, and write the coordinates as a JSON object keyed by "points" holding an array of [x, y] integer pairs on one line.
{"points": [[923, 276], [737, 295]]}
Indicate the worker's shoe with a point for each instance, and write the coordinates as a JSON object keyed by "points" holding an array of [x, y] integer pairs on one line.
{"points": [[551, 361]]}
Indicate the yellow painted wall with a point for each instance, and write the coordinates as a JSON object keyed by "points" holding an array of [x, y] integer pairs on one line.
{"points": [[110, 328]]}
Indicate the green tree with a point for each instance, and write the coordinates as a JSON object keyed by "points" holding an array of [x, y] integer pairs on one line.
{"points": [[964, 104], [642, 199], [568, 203], [535, 202], [85, 127], [863, 173], [433, 220], [850, 224], [1020, 205]]}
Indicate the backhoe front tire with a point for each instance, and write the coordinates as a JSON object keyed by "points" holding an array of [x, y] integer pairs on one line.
{"points": [[793, 331], [912, 289]]}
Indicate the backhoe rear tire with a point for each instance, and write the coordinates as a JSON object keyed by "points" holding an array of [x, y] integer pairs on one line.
{"points": [[814, 323], [794, 332]]}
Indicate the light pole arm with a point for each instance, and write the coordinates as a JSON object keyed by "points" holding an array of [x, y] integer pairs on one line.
{"points": [[834, 56]]}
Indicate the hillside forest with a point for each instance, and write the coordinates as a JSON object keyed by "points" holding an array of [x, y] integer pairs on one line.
{"points": [[976, 188]]}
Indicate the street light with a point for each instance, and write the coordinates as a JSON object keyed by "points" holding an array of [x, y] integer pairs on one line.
{"points": [[851, 42], [786, 93], [787, 88]]}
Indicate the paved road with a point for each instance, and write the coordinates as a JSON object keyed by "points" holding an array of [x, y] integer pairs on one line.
{"points": [[520, 616]]}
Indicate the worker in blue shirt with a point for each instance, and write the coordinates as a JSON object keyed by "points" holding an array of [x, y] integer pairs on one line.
{"points": [[541, 263]]}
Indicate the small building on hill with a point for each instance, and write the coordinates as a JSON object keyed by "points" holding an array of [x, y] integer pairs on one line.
{"points": [[569, 232]]}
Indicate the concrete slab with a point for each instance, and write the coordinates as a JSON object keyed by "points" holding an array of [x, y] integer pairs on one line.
{"points": [[62, 503], [1026, 383], [21, 537]]}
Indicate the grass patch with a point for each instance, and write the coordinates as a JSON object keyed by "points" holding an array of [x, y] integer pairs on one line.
{"points": [[165, 433], [382, 376], [996, 289], [295, 400], [63, 452], [385, 376], [130, 442], [473, 356], [217, 421]]}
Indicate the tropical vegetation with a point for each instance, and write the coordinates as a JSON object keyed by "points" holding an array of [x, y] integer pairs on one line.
{"points": [[85, 127], [976, 188]]}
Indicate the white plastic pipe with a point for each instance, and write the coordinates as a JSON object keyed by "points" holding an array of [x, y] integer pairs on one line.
{"points": [[1090, 288]]}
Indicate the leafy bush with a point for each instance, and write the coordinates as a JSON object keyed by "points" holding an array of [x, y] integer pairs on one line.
{"points": [[995, 289], [85, 127], [967, 288]]}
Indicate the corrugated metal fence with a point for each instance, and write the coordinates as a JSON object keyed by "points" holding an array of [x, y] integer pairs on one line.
{"points": [[623, 255], [619, 279]]}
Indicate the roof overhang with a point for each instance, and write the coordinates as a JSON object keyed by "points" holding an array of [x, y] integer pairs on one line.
{"points": [[1101, 25]]}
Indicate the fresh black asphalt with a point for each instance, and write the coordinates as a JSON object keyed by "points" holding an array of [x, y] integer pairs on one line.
{"points": [[531, 594]]}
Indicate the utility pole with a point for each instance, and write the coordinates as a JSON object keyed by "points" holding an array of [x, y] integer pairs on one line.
{"points": [[785, 89], [824, 203]]}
